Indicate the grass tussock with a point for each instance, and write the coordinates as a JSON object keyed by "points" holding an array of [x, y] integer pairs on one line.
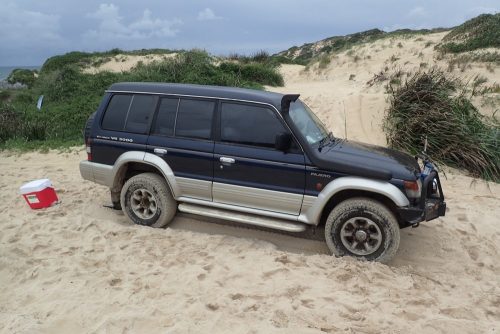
{"points": [[324, 61], [430, 103], [71, 95]]}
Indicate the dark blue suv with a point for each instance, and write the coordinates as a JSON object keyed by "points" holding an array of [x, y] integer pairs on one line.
{"points": [[253, 157]]}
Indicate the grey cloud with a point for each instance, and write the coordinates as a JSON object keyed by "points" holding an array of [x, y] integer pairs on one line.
{"points": [[32, 30], [18, 24], [207, 14], [112, 26]]}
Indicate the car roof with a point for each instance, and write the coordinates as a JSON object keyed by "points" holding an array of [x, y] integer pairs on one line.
{"points": [[222, 92]]}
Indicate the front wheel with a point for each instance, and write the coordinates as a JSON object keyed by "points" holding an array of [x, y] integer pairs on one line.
{"points": [[363, 228], [147, 200]]}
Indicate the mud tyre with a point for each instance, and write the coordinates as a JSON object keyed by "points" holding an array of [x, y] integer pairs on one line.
{"points": [[363, 228], [146, 199]]}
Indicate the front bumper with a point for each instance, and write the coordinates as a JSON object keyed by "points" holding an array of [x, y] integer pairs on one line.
{"points": [[432, 204]]}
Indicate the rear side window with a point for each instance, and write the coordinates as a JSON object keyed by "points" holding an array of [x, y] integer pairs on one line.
{"points": [[165, 121], [114, 118], [140, 113], [249, 125], [194, 119], [130, 113]]}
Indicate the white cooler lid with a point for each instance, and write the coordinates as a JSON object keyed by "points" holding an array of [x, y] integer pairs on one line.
{"points": [[34, 186]]}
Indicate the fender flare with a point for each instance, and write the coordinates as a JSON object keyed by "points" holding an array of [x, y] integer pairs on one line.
{"points": [[150, 159], [313, 214]]}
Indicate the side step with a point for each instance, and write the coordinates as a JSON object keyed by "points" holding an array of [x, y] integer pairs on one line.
{"points": [[239, 217]]}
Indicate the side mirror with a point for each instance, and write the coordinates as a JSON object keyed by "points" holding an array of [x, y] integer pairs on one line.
{"points": [[283, 141]]}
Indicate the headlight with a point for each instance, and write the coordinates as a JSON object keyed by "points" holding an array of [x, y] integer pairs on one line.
{"points": [[413, 188]]}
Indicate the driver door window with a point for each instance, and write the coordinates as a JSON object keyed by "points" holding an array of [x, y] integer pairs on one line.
{"points": [[249, 125]]}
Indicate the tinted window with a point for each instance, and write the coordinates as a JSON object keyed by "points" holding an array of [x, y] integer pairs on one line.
{"points": [[194, 119], [131, 113], [249, 125], [165, 120], [114, 118], [140, 113]]}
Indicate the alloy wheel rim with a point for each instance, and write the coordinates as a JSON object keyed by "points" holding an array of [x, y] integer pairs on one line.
{"points": [[361, 236], [143, 203]]}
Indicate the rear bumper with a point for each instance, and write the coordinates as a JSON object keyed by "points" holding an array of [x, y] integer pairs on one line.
{"points": [[86, 170], [432, 204], [98, 173]]}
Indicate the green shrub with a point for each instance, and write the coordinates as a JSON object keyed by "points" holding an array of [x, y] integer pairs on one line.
{"points": [[4, 95], [478, 33], [71, 95], [431, 104], [10, 121], [22, 76], [324, 61]]}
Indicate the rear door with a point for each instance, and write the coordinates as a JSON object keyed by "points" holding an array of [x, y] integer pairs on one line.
{"points": [[123, 127], [182, 136], [248, 170]]}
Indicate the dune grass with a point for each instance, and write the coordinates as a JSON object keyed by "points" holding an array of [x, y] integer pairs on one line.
{"points": [[70, 95], [480, 32], [309, 52], [430, 103]]}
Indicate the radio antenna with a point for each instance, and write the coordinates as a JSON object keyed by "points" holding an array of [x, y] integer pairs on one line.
{"points": [[345, 121]]}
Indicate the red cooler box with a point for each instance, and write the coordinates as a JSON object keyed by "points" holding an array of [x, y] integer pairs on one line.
{"points": [[39, 193]]}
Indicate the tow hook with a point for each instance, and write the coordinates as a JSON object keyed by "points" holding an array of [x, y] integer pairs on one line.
{"points": [[415, 225]]}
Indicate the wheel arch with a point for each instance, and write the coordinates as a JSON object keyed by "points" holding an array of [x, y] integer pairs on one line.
{"points": [[343, 195], [134, 162], [351, 186]]}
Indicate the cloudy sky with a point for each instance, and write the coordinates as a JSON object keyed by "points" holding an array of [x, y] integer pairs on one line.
{"points": [[32, 30]]}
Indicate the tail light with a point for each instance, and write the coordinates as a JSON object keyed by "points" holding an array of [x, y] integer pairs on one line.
{"points": [[89, 149], [413, 188]]}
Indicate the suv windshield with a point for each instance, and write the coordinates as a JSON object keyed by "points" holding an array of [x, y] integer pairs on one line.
{"points": [[307, 123]]}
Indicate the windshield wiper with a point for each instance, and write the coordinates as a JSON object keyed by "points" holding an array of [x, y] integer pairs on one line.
{"points": [[327, 139]]}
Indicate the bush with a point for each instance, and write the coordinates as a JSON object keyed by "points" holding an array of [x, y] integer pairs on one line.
{"points": [[478, 33], [431, 104], [72, 95], [22, 76], [324, 61], [10, 121]]}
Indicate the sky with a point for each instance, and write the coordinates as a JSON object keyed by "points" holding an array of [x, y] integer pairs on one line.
{"points": [[33, 30]]}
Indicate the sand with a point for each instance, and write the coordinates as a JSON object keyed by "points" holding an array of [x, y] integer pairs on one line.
{"points": [[124, 62], [79, 267]]}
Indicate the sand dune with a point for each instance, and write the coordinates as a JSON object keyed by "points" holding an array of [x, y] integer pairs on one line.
{"points": [[79, 267]]}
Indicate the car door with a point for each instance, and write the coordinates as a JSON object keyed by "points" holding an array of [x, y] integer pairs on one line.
{"points": [[248, 170], [182, 136]]}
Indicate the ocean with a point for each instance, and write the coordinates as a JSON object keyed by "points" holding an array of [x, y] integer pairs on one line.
{"points": [[5, 70]]}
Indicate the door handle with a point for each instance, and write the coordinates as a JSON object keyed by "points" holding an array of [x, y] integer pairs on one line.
{"points": [[227, 160], [160, 151]]}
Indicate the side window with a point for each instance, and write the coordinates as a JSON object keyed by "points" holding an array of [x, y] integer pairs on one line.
{"points": [[114, 118], [249, 125], [140, 113], [165, 120], [194, 119], [131, 113]]}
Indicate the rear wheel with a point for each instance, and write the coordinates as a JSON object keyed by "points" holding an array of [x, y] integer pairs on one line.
{"points": [[147, 200], [363, 228]]}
